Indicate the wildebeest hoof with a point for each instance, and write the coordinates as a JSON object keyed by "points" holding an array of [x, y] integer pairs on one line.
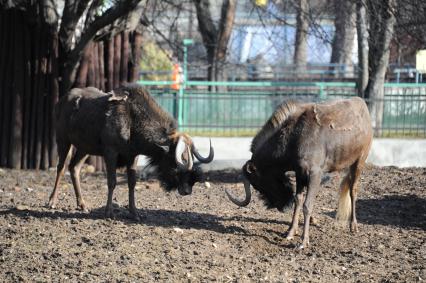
{"points": [[83, 207], [51, 204], [300, 246], [290, 236], [354, 227]]}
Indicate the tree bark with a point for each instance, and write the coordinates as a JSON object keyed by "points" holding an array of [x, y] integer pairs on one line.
{"points": [[225, 29], [362, 40], [301, 41], [215, 39], [208, 32], [382, 21], [344, 35]]}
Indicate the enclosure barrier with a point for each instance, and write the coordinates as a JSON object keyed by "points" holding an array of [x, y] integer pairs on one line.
{"points": [[241, 108]]}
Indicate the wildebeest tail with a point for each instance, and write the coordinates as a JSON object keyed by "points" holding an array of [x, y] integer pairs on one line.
{"points": [[344, 209]]}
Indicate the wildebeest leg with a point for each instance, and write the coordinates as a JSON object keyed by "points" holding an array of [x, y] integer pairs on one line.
{"points": [[111, 165], [355, 172], [75, 167], [313, 188], [298, 201], [131, 181], [63, 150]]}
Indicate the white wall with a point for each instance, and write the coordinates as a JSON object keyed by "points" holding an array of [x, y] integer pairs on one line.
{"points": [[233, 152]]}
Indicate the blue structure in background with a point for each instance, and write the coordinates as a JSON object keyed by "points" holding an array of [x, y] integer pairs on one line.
{"points": [[275, 44]]}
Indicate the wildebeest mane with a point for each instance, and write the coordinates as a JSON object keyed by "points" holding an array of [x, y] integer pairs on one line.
{"points": [[280, 115], [154, 117]]}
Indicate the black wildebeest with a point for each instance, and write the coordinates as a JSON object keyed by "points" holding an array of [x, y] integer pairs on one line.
{"points": [[119, 126], [309, 139]]}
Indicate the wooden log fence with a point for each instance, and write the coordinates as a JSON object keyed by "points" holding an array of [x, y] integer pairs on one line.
{"points": [[29, 84]]}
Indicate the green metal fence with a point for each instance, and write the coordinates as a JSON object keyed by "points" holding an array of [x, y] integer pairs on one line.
{"points": [[241, 108]]}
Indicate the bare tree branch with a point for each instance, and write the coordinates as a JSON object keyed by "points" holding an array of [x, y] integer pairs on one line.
{"points": [[72, 57]]}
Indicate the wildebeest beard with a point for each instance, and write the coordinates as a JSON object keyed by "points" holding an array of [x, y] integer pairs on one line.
{"points": [[275, 189], [171, 177]]}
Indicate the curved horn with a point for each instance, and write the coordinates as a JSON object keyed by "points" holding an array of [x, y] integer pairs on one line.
{"points": [[244, 202], [207, 159], [180, 149], [190, 161]]}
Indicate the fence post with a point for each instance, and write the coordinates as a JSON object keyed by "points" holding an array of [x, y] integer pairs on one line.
{"points": [[182, 103], [322, 93]]}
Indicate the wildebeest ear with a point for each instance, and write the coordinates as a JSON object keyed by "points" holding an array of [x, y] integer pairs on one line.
{"points": [[249, 167]]}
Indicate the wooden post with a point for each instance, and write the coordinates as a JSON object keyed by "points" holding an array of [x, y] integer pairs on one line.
{"points": [[16, 91], [117, 60], [124, 56]]}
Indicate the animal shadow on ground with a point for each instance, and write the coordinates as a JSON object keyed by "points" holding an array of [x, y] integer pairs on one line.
{"points": [[224, 176], [147, 173], [159, 218], [404, 211]]}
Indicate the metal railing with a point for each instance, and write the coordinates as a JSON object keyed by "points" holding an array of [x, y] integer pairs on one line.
{"points": [[241, 108]]}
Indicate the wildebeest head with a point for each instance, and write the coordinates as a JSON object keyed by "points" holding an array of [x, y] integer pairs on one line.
{"points": [[274, 186], [176, 168]]}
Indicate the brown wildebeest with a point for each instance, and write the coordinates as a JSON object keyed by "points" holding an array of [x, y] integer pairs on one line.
{"points": [[119, 126], [309, 139]]}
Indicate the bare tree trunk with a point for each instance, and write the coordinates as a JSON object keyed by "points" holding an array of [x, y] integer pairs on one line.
{"points": [[344, 35], [362, 37], [382, 21], [301, 42], [225, 29], [215, 39], [208, 32]]}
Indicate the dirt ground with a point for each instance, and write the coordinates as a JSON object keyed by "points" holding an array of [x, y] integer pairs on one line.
{"points": [[204, 237]]}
